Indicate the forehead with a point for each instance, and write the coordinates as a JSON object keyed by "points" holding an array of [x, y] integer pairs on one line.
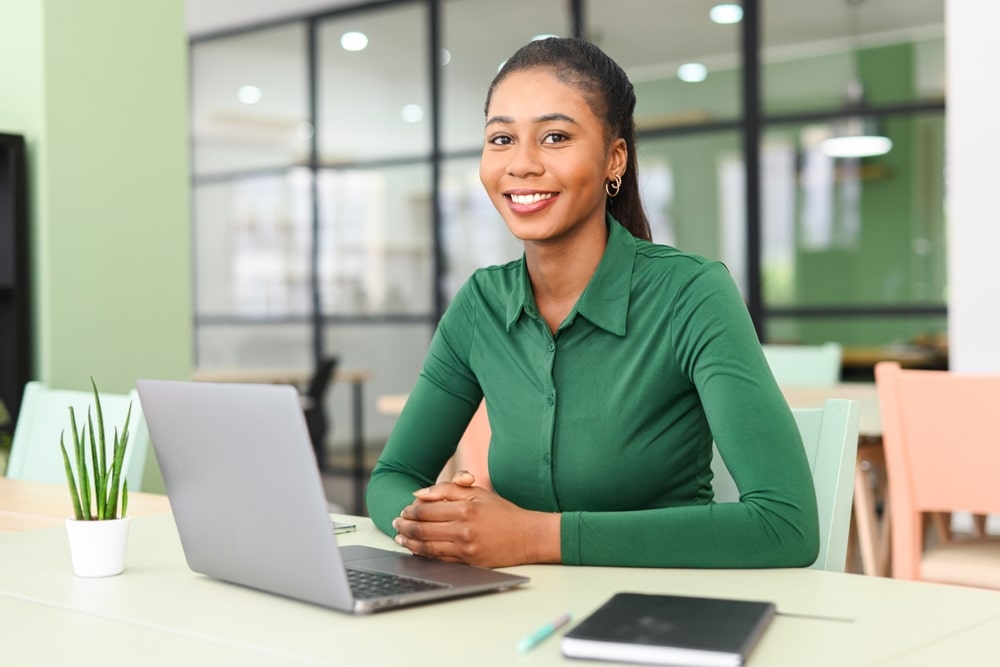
{"points": [[536, 92]]}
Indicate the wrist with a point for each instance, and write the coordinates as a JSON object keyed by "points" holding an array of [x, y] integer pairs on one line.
{"points": [[545, 538]]}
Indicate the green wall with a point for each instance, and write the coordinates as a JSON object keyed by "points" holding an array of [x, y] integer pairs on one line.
{"points": [[99, 89]]}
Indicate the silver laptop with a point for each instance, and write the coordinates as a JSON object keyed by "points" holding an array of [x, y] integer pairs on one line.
{"points": [[250, 509]]}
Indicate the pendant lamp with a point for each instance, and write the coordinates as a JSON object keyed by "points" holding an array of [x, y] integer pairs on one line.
{"points": [[858, 135]]}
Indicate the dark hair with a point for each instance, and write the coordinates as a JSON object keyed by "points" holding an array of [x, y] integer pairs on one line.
{"points": [[611, 97]]}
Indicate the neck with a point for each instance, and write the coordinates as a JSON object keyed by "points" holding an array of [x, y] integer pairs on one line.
{"points": [[559, 272]]}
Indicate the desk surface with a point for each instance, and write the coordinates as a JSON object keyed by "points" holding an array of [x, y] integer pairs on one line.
{"points": [[29, 505], [168, 612], [864, 392]]}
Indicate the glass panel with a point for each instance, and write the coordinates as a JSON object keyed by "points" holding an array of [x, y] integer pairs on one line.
{"points": [[374, 102], [473, 234], [652, 44], [811, 50], [225, 346], [478, 35], [693, 191], [375, 241], [249, 104], [390, 357], [854, 231], [252, 240]]}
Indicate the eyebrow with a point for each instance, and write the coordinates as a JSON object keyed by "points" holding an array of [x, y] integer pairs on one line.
{"points": [[544, 118]]}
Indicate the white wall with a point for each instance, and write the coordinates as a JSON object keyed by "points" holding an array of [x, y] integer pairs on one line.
{"points": [[973, 185]]}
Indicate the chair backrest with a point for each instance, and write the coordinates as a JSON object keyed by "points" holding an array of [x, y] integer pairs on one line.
{"points": [[804, 365], [314, 405], [830, 438], [44, 415], [941, 436]]}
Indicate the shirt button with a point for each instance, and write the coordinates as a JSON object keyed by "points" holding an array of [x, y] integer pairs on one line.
{"points": [[552, 346], [550, 399], [547, 458]]}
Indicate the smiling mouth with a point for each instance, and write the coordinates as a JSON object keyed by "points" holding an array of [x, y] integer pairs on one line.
{"points": [[530, 199]]}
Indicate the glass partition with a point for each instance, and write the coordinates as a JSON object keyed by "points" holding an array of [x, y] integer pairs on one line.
{"points": [[374, 91], [375, 241], [249, 101], [252, 245], [478, 36]]}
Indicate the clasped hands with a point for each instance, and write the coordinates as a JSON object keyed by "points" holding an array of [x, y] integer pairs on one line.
{"points": [[460, 522]]}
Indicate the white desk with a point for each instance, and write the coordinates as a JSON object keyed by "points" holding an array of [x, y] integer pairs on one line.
{"points": [[165, 611]]}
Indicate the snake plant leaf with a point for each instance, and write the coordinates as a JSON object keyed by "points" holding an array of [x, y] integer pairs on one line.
{"points": [[80, 454], [70, 480], [100, 478]]}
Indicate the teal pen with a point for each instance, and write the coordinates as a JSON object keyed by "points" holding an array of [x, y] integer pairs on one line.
{"points": [[542, 633]]}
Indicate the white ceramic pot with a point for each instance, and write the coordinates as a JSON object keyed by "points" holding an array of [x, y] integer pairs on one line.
{"points": [[97, 548]]}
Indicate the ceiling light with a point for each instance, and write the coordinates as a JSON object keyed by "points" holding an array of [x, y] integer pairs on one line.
{"points": [[726, 13], [412, 113], [858, 135], [692, 72], [354, 41], [248, 94], [445, 56]]}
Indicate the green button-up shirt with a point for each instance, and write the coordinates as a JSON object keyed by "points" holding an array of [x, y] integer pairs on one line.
{"points": [[611, 420]]}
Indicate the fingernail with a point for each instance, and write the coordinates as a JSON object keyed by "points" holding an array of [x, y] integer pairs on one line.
{"points": [[395, 524], [398, 539], [420, 492]]}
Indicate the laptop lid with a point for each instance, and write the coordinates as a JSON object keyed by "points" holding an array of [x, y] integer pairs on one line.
{"points": [[249, 503]]}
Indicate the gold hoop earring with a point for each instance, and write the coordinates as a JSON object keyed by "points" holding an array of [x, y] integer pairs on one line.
{"points": [[613, 187]]}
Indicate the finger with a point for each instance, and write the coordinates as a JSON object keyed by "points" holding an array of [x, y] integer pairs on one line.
{"points": [[444, 491], [464, 478]]}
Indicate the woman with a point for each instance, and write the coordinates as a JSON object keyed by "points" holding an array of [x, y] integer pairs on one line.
{"points": [[608, 365]]}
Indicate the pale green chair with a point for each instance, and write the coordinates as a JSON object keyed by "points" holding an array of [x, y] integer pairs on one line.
{"points": [[804, 365], [44, 414], [830, 437]]}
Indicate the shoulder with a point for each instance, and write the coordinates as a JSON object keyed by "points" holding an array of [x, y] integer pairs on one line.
{"points": [[658, 262]]}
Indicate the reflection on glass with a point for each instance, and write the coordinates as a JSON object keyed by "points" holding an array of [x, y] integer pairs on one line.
{"points": [[375, 241], [286, 345], [854, 231], [249, 101], [693, 191], [252, 246], [477, 52], [473, 234], [362, 92], [652, 46], [808, 59]]}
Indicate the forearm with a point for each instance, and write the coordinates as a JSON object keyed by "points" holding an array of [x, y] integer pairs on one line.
{"points": [[726, 535]]}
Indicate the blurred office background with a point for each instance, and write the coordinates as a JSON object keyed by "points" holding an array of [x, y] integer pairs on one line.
{"points": [[337, 206]]}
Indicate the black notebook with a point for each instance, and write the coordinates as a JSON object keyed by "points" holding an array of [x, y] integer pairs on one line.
{"points": [[670, 630]]}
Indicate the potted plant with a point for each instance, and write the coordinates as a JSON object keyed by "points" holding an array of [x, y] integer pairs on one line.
{"points": [[98, 532]]}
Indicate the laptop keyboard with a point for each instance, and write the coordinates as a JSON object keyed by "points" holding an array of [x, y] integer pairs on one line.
{"points": [[365, 585]]}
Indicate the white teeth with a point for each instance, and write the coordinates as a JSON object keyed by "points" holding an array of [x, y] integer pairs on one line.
{"points": [[530, 199]]}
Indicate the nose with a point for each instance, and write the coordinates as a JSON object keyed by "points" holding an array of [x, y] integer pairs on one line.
{"points": [[525, 160]]}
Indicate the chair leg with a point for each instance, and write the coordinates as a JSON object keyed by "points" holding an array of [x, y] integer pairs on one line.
{"points": [[979, 525], [866, 520]]}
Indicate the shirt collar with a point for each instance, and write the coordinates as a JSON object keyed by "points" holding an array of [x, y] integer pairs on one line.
{"points": [[605, 300]]}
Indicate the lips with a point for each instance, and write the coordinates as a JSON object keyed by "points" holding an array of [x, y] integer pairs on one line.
{"points": [[529, 202]]}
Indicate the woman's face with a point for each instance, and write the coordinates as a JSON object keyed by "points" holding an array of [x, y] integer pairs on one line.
{"points": [[545, 160]]}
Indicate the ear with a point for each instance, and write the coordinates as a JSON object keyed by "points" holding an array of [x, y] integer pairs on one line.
{"points": [[617, 158]]}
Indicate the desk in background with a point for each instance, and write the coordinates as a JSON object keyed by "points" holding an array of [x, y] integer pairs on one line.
{"points": [[299, 378], [30, 505], [163, 611]]}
